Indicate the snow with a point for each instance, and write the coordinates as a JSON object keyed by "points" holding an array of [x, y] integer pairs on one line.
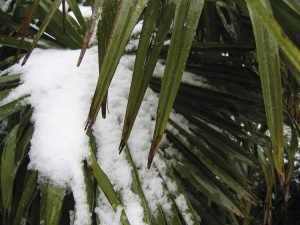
{"points": [[187, 77], [137, 29], [105, 213], [5, 4], [58, 92], [181, 202], [86, 11], [61, 94]]}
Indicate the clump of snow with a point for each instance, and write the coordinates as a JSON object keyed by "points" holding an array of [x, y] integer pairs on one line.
{"points": [[137, 29], [105, 213], [86, 11], [59, 92], [181, 202], [133, 42], [4, 5], [187, 77], [132, 45]]}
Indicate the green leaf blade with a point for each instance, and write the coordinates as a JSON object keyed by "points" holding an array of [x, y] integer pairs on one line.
{"points": [[186, 19]]}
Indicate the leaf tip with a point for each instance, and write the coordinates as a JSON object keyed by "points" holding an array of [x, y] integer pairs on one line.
{"points": [[121, 146], [26, 58]]}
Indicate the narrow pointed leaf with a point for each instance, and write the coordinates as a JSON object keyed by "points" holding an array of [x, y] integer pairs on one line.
{"points": [[186, 19], [269, 68], [105, 25], [265, 18], [150, 45], [127, 16]]}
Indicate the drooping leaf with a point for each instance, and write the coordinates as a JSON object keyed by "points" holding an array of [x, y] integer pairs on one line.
{"points": [[269, 68], [186, 19], [105, 25], [150, 45], [126, 18], [265, 18]]}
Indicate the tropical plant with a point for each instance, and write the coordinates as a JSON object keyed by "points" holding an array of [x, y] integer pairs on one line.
{"points": [[230, 68]]}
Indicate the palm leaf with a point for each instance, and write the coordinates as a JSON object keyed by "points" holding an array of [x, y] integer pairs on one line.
{"points": [[127, 16], [290, 50], [186, 18], [268, 58], [149, 48]]}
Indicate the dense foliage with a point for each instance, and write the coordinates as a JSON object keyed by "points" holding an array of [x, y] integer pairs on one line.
{"points": [[237, 161]]}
